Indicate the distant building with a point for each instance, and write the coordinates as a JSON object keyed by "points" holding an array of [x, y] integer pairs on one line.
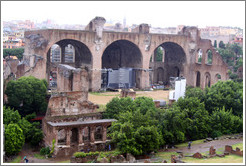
{"points": [[16, 43]]}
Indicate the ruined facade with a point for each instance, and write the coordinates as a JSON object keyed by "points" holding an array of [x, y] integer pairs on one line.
{"points": [[71, 120], [185, 54]]}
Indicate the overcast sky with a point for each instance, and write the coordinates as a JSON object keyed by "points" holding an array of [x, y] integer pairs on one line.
{"points": [[158, 13]]}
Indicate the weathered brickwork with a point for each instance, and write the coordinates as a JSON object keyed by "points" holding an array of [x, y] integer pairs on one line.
{"points": [[96, 49]]}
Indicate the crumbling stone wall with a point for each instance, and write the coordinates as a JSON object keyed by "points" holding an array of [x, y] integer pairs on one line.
{"points": [[38, 44], [236, 152]]}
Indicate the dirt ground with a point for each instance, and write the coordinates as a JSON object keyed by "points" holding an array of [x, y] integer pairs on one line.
{"points": [[104, 98]]}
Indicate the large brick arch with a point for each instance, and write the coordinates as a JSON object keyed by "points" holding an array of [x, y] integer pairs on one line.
{"points": [[130, 53], [39, 42], [173, 63]]}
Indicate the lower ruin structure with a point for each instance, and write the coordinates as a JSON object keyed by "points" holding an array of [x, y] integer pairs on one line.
{"points": [[72, 122]]}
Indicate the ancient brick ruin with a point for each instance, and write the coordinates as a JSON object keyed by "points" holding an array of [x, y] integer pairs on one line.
{"points": [[236, 152], [71, 120], [185, 54]]}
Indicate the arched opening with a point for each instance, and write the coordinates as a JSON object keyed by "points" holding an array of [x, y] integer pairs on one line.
{"points": [[86, 134], [70, 52], [176, 72], [98, 133], [207, 80], [198, 79], [124, 60], [55, 53], [209, 57], [172, 63], [199, 56], [74, 136], [62, 137], [217, 77]]}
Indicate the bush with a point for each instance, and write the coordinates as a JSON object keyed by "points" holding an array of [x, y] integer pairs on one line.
{"points": [[45, 151], [14, 139], [27, 95], [80, 154], [83, 154], [216, 133], [228, 94]]}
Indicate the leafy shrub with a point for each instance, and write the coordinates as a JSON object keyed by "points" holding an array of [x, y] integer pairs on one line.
{"points": [[80, 154], [216, 133], [45, 151], [83, 154], [14, 139], [53, 147]]}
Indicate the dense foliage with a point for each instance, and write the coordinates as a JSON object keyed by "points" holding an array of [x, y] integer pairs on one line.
{"points": [[14, 52], [31, 131], [142, 128], [119, 105], [135, 133], [27, 95], [14, 139], [232, 56], [228, 94]]}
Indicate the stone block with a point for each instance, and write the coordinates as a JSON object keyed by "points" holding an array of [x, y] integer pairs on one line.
{"points": [[197, 155]]}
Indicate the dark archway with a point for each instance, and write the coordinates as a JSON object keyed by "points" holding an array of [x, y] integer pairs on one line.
{"points": [[207, 80], [74, 136], [124, 57], [198, 79], [70, 52], [173, 63]]}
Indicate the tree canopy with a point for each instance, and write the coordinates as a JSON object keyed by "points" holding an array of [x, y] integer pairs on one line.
{"points": [[27, 94], [14, 139], [14, 52], [31, 131]]}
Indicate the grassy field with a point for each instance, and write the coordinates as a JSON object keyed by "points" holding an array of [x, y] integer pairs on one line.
{"points": [[239, 145], [16, 160], [226, 159], [39, 156]]}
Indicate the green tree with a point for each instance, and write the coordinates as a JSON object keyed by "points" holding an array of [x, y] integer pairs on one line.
{"points": [[10, 116], [27, 94], [135, 133], [215, 43], [172, 124], [228, 94], [237, 49], [195, 92], [118, 105], [14, 139], [14, 52], [224, 122], [144, 104], [197, 117], [159, 54], [222, 45]]}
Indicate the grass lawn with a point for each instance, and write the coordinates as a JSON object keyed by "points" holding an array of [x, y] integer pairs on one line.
{"points": [[103, 94], [39, 156], [16, 160], [166, 155], [239, 145], [227, 159], [193, 143]]}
